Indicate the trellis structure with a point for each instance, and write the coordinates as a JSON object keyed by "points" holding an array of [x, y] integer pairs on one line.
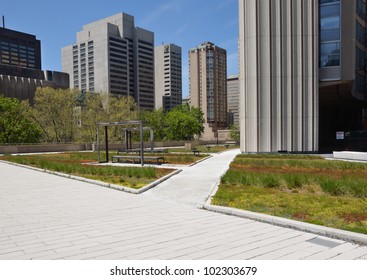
{"points": [[129, 126]]}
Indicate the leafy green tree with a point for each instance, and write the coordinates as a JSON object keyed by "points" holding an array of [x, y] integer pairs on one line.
{"points": [[234, 133], [92, 112], [121, 108], [15, 123], [155, 120], [183, 123], [55, 111]]}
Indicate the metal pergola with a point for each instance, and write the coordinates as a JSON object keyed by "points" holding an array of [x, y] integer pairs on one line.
{"points": [[137, 126]]}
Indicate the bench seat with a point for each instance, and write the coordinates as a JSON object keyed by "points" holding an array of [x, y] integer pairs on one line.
{"points": [[119, 158]]}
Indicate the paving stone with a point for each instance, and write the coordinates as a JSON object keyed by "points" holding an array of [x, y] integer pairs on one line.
{"points": [[327, 254], [13, 255], [353, 254], [86, 256], [74, 220]]}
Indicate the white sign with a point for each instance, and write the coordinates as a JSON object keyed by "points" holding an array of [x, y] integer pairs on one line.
{"points": [[340, 135]]}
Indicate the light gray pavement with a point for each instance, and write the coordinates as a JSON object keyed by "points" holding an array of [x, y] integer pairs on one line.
{"points": [[43, 216], [194, 184]]}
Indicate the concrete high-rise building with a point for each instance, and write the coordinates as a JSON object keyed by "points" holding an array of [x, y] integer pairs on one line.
{"points": [[278, 56], [168, 76], [112, 55], [208, 86], [20, 66], [19, 49], [233, 99], [303, 75], [186, 100]]}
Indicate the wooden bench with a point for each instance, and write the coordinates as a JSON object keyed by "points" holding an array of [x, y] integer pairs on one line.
{"points": [[137, 151], [196, 151], [160, 150], [130, 151], [119, 158]]}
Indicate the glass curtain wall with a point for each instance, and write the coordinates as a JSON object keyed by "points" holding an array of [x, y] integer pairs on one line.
{"points": [[329, 33], [361, 66]]}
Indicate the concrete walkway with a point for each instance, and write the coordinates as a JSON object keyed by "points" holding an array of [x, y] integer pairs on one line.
{"points": [[44, 216], [194, 184]]}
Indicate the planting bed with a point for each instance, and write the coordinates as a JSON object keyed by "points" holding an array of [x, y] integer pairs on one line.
{"points": [[305, 188], [77, 164]]}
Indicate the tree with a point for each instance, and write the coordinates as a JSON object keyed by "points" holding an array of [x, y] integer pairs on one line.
{"points": [[183, 122], [54, 110], [234, 133], [69, 116], [155, 120], [121, 109], [15, 123], [92, 112]]}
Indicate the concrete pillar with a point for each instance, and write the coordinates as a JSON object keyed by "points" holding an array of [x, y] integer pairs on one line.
{"points": [[278, 52]]}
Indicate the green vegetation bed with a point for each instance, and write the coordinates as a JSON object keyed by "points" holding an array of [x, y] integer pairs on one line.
{"points": [[77, 164], [305, 188]]}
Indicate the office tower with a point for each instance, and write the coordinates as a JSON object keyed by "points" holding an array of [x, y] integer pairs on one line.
{"points": [[343, 67], [186, 100], [278, 56], [168, 76], [19, 49], [208, 86], [233, 100], [20, 66], [112, 55]]}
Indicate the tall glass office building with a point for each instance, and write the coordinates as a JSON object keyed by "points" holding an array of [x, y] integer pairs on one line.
{"points": [[342, 72], [20, 66], [329, 33], [19, 49]]}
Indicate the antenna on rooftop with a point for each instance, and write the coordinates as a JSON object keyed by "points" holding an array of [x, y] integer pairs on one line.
{"points": [[4, 22]]}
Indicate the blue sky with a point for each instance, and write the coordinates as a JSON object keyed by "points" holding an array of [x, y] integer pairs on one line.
{"points": [[186, 23]]}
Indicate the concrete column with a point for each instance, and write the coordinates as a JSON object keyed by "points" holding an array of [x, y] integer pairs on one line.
{"points": [[287, 70], [248, 84], [263, 78], [278, 75]]}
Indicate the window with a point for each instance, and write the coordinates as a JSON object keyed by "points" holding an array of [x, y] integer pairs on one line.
{"points": [[360, 58], [329, 33], [361, 9], [360, 32], [329, 54]]}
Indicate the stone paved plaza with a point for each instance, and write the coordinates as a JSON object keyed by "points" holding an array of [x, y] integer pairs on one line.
{"points": [[44, 216]]}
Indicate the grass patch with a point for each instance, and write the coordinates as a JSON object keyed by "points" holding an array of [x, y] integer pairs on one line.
{"points": [[74, 164], [305, 188]]}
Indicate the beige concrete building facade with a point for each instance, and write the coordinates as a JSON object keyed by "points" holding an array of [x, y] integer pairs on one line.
{"points": [[278, 57], [208, 86], [233, 100], [168, 76], [112, 55]]}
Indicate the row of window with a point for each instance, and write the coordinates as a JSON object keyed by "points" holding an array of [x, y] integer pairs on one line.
{"points": [[329, 33], [361, 9]]}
